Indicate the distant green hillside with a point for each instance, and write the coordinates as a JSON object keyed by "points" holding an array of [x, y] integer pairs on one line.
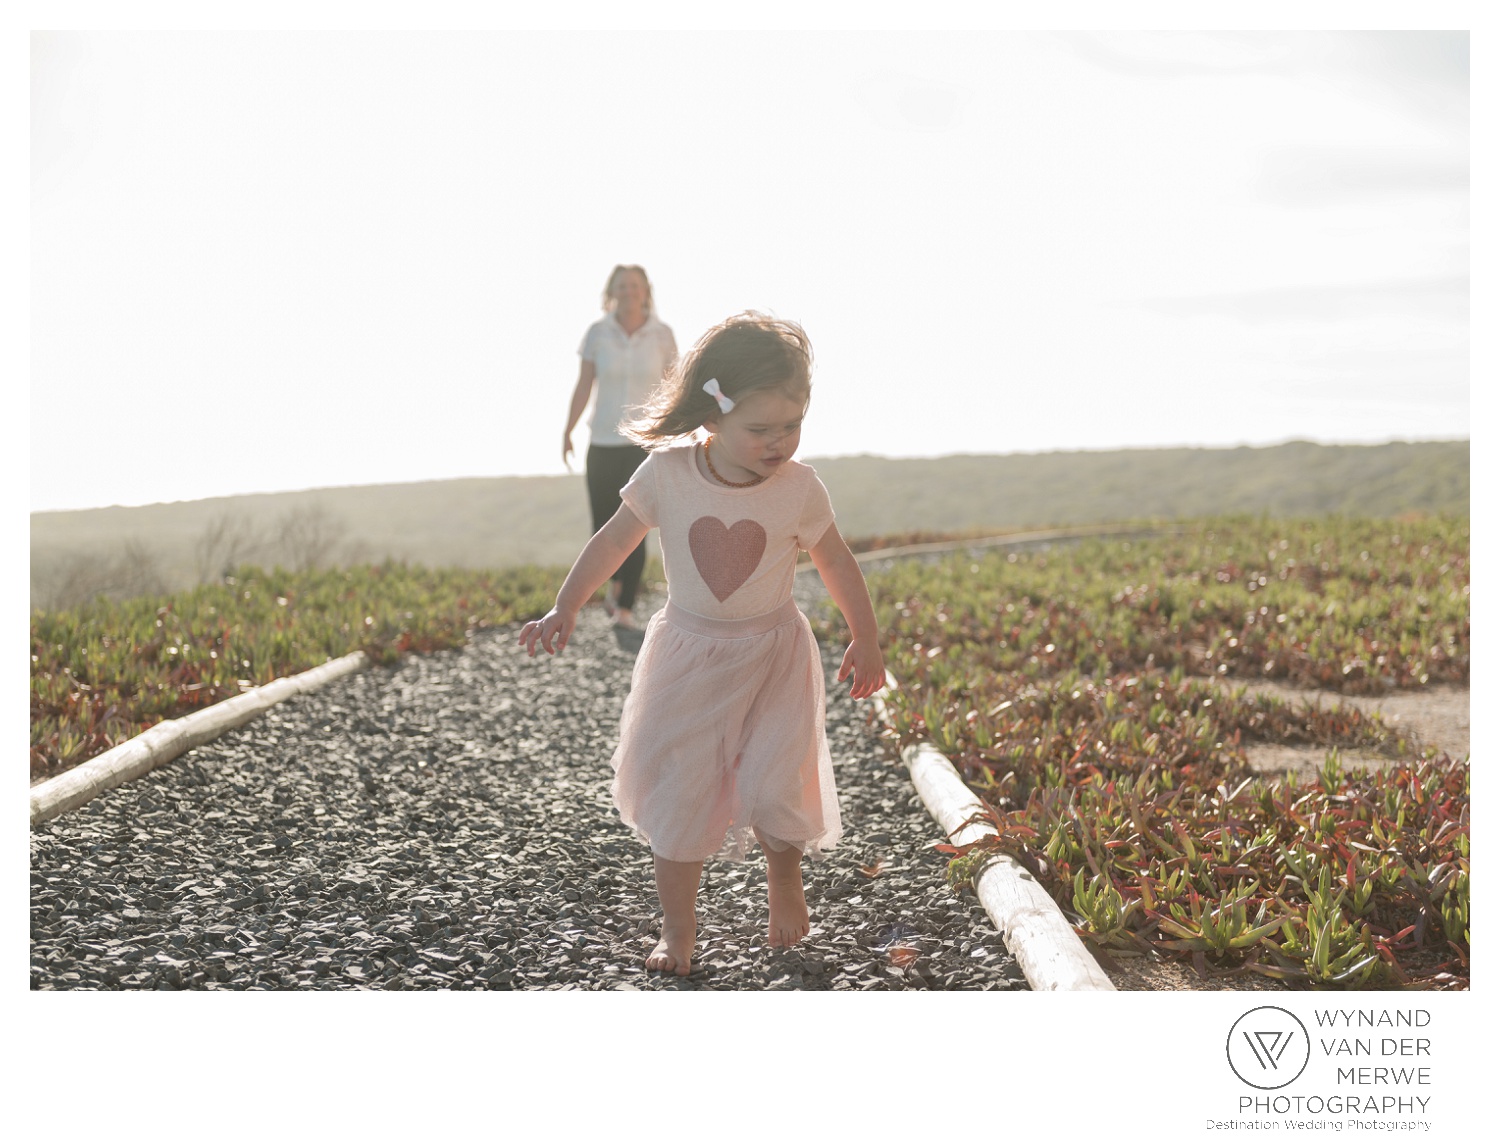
{"points": [[544, 519], [881, 496]]}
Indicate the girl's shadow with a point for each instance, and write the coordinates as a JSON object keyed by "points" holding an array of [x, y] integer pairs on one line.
{"points": [[628, 639]]}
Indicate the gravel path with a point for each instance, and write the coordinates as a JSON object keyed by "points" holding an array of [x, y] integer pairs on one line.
{"points": [[446, 825]]}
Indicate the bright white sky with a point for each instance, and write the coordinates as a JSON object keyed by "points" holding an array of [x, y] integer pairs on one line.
{"points": [[276, 260]]}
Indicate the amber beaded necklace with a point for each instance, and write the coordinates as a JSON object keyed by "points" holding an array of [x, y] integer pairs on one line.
{"points": [[709, 460]]}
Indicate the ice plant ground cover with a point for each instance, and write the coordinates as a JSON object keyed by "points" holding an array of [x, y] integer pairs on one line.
{"points": [[1074, 687], [1080, 691], [108, 670]]}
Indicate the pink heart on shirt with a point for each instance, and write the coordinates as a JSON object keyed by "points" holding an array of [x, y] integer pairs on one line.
{"points": [[726, 556]]}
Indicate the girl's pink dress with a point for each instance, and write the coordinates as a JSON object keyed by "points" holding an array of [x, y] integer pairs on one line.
{"points": [[722, 732]]}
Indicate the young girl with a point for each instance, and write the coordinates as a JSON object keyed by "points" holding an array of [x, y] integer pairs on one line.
{"points": [[722, 733]]}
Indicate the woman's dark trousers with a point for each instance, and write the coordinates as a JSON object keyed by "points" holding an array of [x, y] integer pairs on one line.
{"points": [[608, 469]]}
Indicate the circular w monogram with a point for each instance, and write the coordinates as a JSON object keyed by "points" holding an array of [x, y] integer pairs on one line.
{"points": [[1268, 1047]]}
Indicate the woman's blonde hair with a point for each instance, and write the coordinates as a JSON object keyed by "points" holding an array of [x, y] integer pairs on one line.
{"points": [[614, 277], [747, 353]]}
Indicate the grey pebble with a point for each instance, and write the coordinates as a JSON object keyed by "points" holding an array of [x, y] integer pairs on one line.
{"points": [[445, 824]]}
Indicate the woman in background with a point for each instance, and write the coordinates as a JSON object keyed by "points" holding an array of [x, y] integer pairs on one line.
{"points": [[623, 357]]}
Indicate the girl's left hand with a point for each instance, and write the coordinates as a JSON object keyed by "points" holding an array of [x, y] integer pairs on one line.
{"points": [[866, 663]]}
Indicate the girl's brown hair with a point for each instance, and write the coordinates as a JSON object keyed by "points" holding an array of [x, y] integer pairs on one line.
{"points": [[747, 353]]}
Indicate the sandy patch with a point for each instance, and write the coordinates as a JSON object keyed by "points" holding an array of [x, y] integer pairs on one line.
{"points": [[1436, 717], [1146, 974]]}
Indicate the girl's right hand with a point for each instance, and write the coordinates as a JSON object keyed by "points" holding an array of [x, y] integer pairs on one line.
{"points": [[555, 624]]}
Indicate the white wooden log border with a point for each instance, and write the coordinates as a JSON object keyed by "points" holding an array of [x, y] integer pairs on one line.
{"points": [[1047, 949], [1100, 530], [170, 739], [1043, 942]]}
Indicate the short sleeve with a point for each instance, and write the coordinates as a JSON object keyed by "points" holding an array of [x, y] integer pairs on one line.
{"points": [[641, 494], [588, 348], [817, 514]]}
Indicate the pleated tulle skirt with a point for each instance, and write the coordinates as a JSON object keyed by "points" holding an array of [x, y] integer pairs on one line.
{"points": [[722, 735]]}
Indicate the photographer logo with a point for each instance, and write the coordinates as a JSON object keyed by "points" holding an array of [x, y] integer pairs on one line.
{"points": [[1268, 1047]]}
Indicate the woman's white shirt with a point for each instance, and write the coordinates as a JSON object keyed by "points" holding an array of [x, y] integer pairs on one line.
{"points": [[627, 368]]}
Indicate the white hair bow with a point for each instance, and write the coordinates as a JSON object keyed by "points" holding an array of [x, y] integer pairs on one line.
{"points": [[711, 386]]}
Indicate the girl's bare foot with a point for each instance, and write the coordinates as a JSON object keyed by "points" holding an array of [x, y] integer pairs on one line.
{"points": [[677, 885], [789, 920], [673, 952]]}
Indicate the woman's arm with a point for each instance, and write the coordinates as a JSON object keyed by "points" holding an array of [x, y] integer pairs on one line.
{"points": [[581, 393], [600, 558], [846, 585]]}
